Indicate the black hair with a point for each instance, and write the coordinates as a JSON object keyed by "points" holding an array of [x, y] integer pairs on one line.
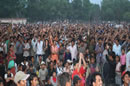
{"points": [[24, 67], [75, 62], [112, 54], [63, 79], [124, 76], [73, 40], [105, 44], [32, 75], [1, 80], [99, 38], [93, 77]]}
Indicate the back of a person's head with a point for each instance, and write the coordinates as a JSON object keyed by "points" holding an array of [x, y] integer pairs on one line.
{"points": [[63, 79], [24, 67]]}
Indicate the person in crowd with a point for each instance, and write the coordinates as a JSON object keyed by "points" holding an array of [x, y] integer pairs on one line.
{"points": [[96, 79], [33, 80], [26, 48], [125, 78], [19, 50], [31, 69], [25, 62], [59, 45], [1, 82], [9, 77], [67, 67], [109, 69], [59, 68], [73, 50], [118, 71], [105, 52], [67, 55], [117, 47], [64, 79], [93, 66], [123, 60], [99, 52], [53, 79], [76, 81], [51, 68], [21, 78], [82, 47], [33, 44], [128, 59], [43, 72], [39, 50], [11, 59], [47, 49], [61, 51], [79, 69], [54, 50]]}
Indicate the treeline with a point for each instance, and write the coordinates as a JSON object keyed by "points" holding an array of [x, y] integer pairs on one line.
{"points": [[39, 10]]}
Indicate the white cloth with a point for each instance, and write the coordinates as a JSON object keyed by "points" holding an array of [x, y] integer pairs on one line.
{"points": [[59, 70], [117, 49], [128, 61], [34, 44], [25, 63], [6, 76], [40, 48], [26, 52], [43, 74], [118, 66], [105, 52], [73, 50], [2, 46]]}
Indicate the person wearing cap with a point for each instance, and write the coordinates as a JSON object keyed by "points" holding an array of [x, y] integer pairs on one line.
{"points": [[43, 72], [125, 78], [76, 80], [20, 78]]}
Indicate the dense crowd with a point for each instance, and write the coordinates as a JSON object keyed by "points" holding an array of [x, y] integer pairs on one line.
{"points": [[64, 54]]}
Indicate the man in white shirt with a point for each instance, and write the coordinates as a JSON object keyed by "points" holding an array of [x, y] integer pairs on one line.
{"points": [[117, 48], [73, 50], [128, 60], [33, 43], [39, 50]]}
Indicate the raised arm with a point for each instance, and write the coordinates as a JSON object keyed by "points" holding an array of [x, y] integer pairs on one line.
{"points": [[84, 62], [80, 58]]}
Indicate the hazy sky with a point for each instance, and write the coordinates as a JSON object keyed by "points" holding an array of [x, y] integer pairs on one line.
{"points": [[96, 1], [93, 1]]}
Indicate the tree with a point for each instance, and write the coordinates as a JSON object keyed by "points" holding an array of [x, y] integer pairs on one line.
{"points": [[8, 8]]}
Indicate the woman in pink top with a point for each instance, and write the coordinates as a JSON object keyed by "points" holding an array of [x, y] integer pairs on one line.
{"points": [[123, 60], [54, 50]]}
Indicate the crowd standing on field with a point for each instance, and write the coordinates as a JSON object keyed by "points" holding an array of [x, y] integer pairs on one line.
{"points": [[64, 54]]}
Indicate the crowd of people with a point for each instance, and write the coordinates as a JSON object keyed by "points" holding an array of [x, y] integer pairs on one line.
{"points": [[64, 54]]}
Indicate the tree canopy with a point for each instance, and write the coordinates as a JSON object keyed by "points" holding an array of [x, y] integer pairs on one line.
{"points": [[36, 10]]}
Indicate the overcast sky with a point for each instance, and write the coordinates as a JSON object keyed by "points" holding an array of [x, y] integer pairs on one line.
{"points": [[96, 1]]}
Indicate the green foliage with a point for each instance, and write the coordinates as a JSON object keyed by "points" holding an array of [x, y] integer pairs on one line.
{"points": [[39, 10], [115, 9]]}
